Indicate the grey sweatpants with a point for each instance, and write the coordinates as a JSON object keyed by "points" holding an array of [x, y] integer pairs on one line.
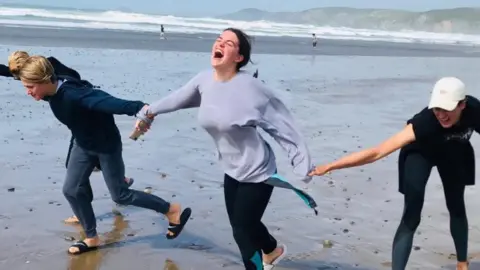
{"points": [[78, 192]]}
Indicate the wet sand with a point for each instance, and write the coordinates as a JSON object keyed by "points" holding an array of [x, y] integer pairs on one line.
{"points": [[341, 103]]}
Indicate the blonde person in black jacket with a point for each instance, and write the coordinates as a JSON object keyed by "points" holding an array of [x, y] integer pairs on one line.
{"points": [[15, 61]]}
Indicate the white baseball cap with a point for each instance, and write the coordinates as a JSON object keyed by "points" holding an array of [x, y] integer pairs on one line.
{"points": [[446, 94]]}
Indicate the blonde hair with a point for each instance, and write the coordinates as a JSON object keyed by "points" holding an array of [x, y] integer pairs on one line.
{"points": [[36, 69], [16, 60]]}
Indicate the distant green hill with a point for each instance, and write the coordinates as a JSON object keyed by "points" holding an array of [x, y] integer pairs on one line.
{"points": [[458, 20]]}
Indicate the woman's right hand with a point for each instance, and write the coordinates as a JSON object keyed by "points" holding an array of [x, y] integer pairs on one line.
{"points": [[320, 170]]}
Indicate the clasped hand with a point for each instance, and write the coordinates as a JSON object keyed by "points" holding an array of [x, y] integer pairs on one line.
{"points": [[144, 120]]}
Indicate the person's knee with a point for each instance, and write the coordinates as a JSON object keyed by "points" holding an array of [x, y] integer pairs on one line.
{"points": [[413, 215], [239, 233], [242, 225], [123, 196], [69, 191], [455, 202], [76, 192], [412, 222], [457, 209]]}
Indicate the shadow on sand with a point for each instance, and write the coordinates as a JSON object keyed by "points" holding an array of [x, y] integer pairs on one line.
{"points": [[302, 264], [116, 238]]}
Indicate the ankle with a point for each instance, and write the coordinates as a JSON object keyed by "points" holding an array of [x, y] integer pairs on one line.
{"points": [[92, 240], [174, 208], [173, 211], [274, 254], [462, 265]]}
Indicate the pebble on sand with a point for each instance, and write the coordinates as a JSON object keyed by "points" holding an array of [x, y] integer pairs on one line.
{"points": [[327, 244]]}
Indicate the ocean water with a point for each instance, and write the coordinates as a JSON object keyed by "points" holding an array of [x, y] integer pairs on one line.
{"points": [[117, 20]]}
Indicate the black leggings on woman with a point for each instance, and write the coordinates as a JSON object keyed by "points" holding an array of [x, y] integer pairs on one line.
{"points": [[246, 203], [416, 171]]}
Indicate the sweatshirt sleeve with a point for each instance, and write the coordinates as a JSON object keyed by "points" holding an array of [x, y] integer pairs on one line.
{"points": [[185, 97], [98, 100], [62, 70], [277, 121], [5, 71]]}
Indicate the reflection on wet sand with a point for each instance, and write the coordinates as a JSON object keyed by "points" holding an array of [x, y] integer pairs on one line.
{"points": [[93, 260], [170, 265]]}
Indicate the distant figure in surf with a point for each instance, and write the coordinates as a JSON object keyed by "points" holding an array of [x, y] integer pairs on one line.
{"points": [[233, 104], [89, 114], [162, 32], [438, 136], [15, 61], [314, 41]]}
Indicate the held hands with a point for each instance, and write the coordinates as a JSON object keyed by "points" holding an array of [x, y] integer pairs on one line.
{"points": [[144, 120]]}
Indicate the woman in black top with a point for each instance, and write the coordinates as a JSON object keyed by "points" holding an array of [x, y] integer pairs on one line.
{"points": [[437, 136], [15, 61]]}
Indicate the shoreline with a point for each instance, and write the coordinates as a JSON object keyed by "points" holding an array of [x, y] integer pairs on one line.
{"points": [[201, 43]]}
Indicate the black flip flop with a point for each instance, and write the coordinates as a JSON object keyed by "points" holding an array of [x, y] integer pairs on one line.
{"points": [[82, 248], [176, 229]]}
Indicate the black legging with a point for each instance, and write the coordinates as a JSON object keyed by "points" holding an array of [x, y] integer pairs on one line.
{"points": [[416, 171], [246, 203]]}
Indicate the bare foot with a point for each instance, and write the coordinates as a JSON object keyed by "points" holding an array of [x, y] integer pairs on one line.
{"points": [[173, 215], [462, 265], [91, 242], [272, 256], [71, 220]]}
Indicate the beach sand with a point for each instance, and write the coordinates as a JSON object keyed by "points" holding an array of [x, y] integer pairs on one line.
{"points": [[341, 102]]}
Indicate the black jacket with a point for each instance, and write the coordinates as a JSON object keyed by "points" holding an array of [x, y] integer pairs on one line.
{"points": [[89, 114]]}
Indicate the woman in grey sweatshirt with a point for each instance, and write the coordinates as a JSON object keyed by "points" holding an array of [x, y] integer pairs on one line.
{"points": [[232, 104]]}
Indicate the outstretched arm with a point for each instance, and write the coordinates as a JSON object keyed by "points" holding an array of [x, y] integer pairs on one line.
{"points": [[98, 100], [5, 71], [62, 70], [277, 121], [185, 97], [370, 155]]}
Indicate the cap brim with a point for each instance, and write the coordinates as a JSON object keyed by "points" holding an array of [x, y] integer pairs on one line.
{"points": [[447, 105]]}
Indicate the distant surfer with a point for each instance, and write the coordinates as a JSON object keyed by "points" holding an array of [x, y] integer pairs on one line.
{"points": [[15, 61], [437, 136], [232, 104], [89, 114], [162, 32], [314, 40]]}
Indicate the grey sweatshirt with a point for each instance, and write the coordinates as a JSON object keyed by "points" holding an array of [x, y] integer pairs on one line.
{"points": [[231, 112]]}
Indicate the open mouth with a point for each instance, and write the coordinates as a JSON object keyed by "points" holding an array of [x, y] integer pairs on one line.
{"points": [[218, 54]]}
